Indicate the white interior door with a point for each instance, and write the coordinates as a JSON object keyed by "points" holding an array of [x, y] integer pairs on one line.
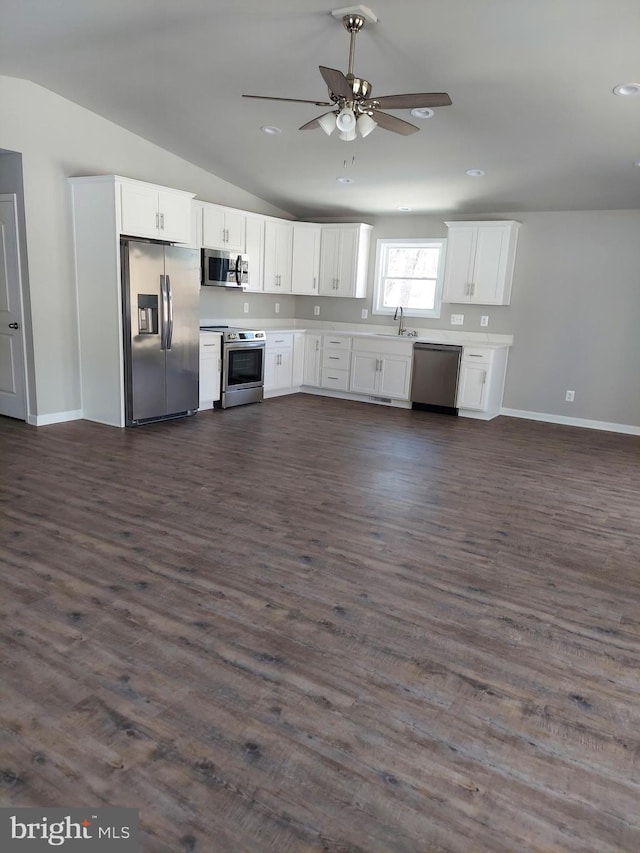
{"points": [[12, 376]]}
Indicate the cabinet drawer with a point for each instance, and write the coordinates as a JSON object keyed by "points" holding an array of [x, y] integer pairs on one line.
{"points": [[336, 342], [336, 359], [279, 340], [338, 379], [477, 355]]}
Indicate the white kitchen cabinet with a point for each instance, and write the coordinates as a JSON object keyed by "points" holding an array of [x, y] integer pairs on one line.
{"points": [[381, 368], [481, 383], [210, 365], [147, 210], [312, 360], [336, 361], [278, 245], [344, 260], [223, 228], [305, 266], [255, 252], [479, 262], [278, 361]]}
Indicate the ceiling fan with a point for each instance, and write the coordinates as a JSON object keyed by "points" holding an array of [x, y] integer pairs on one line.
{"points": [[352, 105]]}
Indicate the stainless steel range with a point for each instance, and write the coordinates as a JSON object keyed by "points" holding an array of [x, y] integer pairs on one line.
{"points": [[242, 374]]}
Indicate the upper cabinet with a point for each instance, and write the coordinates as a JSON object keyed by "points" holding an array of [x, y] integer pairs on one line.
{"points": [[344, 259], [223, 228], [255, 252], [305, 267], [278, 243], [479, 262], [147, 210]]}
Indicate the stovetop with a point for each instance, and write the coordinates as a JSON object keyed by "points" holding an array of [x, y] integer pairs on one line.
{"points": [[235, 333]]}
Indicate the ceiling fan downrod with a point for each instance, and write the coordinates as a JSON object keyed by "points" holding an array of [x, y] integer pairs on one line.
{"points": [[352, 24]]}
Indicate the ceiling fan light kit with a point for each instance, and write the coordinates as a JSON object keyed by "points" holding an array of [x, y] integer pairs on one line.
{"points": [[350, 97]]}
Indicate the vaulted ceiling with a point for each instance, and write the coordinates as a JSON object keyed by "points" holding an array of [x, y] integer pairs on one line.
{"points": [[531, 83]]}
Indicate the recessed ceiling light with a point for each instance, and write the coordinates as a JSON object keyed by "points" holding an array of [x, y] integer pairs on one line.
{"points": [[270, 130], [627, 89], [475, 173], [404, 209], [344, 180], [421, 112]]}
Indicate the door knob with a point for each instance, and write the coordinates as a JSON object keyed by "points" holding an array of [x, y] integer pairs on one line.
{"points": [[14, 325]]}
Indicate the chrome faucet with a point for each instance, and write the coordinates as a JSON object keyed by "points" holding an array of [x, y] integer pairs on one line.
{"points": [[401, 328]]}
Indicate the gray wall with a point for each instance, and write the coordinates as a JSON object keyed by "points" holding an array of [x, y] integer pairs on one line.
{"points": [[220, 304], [574, 310]]}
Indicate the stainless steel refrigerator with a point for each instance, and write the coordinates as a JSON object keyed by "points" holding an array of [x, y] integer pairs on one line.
{"points": [[161, 315]]}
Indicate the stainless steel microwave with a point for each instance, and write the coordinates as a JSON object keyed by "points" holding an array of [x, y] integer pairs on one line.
{"points": [[224, 269]]}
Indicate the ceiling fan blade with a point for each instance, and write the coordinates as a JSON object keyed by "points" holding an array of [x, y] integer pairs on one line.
{"points": [[337, 82], [409, 102], [291, 100], [315, 122], [397, 125]]}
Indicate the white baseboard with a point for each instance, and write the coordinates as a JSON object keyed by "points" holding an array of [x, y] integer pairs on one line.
{"points": [[56, 418], [627, 429]]}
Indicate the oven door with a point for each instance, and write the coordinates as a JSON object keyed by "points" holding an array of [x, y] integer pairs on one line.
{"points": [[243, 366]]}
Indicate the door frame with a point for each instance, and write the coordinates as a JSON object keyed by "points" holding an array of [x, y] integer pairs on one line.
{"points": [[24, 379]]}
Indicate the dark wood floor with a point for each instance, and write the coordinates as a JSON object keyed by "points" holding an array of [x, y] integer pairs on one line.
{"points": [[316, 625]]}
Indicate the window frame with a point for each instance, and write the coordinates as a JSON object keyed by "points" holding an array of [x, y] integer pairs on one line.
{"points": [[378, 285]]}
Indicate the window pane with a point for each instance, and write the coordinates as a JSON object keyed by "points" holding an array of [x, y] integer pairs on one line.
{"points": [[409, 293], [412, 263]]}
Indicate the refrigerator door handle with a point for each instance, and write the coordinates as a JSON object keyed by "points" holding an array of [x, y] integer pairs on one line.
{"points": [[169, 312], [164, 335]]}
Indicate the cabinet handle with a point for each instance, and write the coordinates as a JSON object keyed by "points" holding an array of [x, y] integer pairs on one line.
{"points": [[484, 377], [473, 355], [317, 345], [157, 220], [473, 289], [314, 282], [334, 358], [162, 221], [334, 342]]}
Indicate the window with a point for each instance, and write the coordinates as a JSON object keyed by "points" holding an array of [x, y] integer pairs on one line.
{"points": [[409, 274]]}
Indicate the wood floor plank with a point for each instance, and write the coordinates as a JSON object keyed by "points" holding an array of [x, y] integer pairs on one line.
{"points": [[316, 625]]}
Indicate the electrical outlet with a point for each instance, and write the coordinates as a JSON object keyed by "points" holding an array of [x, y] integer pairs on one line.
{"points": [[570, 396], [365, 313], [246, 307], [457, 319], [276, 307], [484, 320], [316, 310]]}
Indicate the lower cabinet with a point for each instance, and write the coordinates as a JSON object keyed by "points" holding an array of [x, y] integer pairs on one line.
{"points": [[312, 360], [336, 359], [381, 368], [481, 383], [283, 361], [210, 354]]}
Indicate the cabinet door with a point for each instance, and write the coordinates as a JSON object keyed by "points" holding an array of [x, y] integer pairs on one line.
{"points": [[175, 217], [458, 270], [139, 214], [489, 265], [305, 267], [270, 368], [473, 387], [255, 252], [395, 377], [312, 360], [235, 231], [329, 254], [278, 239], [347, 261], [213, 227], [209, 374], [364, 373]]}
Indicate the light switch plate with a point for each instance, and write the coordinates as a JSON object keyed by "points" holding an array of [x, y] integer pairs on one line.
{"points": [[246, 307], [484, 320], [457, 319], [365, 313], [316, 310], [276, 307]]}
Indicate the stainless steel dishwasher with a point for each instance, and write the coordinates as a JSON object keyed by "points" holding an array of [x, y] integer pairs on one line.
{"points": [[434, 384]]}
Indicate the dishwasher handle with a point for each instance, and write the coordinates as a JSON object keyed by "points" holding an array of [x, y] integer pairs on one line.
{"points": [[438, 347]]}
